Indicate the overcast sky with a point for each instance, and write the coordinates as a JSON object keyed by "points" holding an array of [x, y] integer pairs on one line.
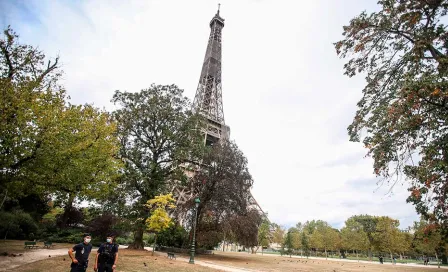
{"points": [[285, 97]]}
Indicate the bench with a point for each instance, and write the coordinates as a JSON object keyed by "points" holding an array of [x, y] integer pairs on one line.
{"points": [[171, 255], [31, 245], [48, 244]]}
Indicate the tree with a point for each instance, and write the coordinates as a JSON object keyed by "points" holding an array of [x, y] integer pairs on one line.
{"points": [[428, 239], [78, 160], [387, 235], [47, 146], [30, 101], [158, 133], [103, 225], [404, 243], [288, 242], [264, 234], [354, 237], [245, 228], [278, 234], [368, 224], [174, 236], [159, 220], [304, 241], [403, 51], [223, 184]]}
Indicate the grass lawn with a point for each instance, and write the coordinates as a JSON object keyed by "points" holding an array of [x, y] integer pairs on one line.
{"points": [[128, 260], [18, 246], [278, 263]]}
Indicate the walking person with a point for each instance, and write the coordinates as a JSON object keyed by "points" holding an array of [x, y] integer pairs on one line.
{"points": [[80, 260], [107, 256]]}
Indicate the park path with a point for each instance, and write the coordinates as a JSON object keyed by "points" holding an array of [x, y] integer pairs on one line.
{"points": [[218, 266], [7, 263]]}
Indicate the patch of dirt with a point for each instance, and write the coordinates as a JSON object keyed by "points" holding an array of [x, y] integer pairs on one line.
{"points": [[7, 263]]}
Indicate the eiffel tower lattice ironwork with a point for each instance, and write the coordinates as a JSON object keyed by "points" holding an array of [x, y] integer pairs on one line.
{"points": [[208, 103], [208, 98]]}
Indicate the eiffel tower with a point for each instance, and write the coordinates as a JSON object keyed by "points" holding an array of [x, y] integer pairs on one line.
{"points": [[208, 103], [208, 98]]}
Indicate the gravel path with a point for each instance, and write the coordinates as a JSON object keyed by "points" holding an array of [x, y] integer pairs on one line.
{"points": [[7, 263]]}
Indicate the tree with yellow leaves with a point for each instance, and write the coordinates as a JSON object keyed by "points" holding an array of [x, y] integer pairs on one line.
{"points": [[159, 219]]}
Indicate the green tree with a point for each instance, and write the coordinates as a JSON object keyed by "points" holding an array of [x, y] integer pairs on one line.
{"points": [[304, 241], [353, 236], [404, 243], [79, 157], [368, 224], [47, 146], [158, 134], [402, 50], [264, 234], [30, 100], [387, 235], [288, 242]]}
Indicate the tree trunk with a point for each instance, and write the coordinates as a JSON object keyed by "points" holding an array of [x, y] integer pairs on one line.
{"points": [[357, 256], [369, 253], [401, 256], [68, 207], [6, 234], [391, 256], [138, 239], [155, 243], [4, 198], [437, 258], [326, 255]]}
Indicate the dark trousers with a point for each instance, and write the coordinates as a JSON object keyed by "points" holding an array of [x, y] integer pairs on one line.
{"points": [[105, 268], [78, 268]]}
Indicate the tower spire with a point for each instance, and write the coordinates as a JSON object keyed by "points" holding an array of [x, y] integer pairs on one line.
{"points": [[208, 98], [219, 6]]}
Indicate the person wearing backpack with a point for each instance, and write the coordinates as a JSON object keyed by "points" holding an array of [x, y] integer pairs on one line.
{"points": [[80, 260], [107, 256]]}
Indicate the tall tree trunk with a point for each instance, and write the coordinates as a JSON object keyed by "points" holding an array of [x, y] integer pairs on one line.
{"points": [[391, 256], [357, 255], [370, 254], [138, 239], [326, 255], [401, 256]]}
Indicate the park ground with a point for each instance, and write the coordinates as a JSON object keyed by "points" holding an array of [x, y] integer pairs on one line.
{"points": [[40, 260]]}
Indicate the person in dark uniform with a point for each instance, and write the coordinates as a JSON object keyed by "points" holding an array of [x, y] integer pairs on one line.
{"points": [[107, 256], [80, 260]]}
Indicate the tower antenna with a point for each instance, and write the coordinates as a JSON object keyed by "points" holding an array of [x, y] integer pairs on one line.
{"points": [[219, 7]]}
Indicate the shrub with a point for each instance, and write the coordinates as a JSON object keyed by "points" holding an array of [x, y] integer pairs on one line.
{"points": [[17, 225]]}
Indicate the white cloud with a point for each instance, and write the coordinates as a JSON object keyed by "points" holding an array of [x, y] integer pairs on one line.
{"points": [[285, 96]]}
